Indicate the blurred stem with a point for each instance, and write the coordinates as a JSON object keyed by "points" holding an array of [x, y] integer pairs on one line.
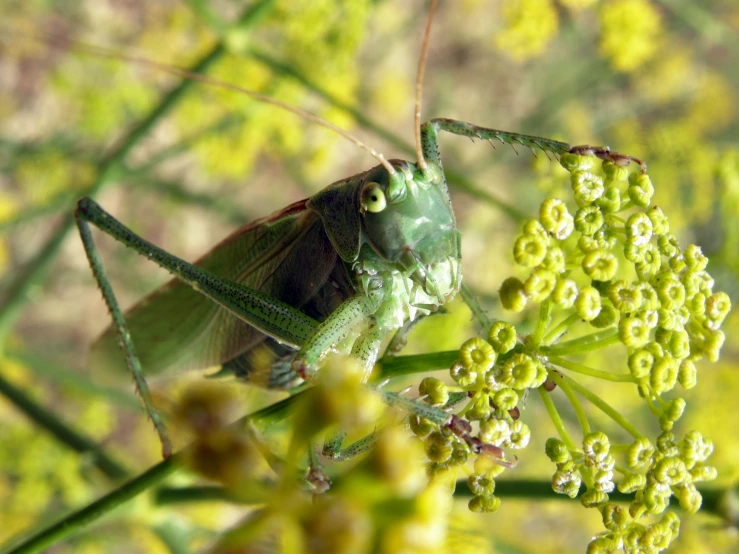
{"points": [[223, 205], [574, 401], [518, 489], [715, 501], [711, 28], [593, 341], [139, 176], [604, 407], [67, 377], [57, 203], [218, 127], [108, 169], [592, 372], [62, 431], [207, 493], [174, 537], [157, 473], [79, 519]]}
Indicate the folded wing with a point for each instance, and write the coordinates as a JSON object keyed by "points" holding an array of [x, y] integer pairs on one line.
{"points": [[286, 255]]}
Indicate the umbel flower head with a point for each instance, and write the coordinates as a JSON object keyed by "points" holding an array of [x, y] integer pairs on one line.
{"points": [[606, 272]]}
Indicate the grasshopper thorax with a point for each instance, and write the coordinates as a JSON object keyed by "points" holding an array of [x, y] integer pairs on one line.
{"points": [[397, 226]]}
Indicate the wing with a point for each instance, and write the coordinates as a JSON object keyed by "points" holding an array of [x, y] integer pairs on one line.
{"points": [[286, 255]]}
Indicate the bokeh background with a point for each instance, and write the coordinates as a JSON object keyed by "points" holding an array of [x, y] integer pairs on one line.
{"points": [[658, 79]]}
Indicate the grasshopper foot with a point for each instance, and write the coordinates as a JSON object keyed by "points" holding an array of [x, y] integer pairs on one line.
{"points": [[317, 480]]}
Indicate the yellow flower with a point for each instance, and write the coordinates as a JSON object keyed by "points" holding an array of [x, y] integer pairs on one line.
{"points": [[529, 26], [577, 5], [629, 33]]}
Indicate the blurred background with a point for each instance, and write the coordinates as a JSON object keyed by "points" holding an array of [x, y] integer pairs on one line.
{"points": [[657, 79]]}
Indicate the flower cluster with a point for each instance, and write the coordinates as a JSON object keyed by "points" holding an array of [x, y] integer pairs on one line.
{"points": [[614, 275], [495, 375]]}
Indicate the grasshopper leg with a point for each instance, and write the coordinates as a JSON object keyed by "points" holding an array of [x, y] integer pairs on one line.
{"points": [[430, 131], [279, 320], [132, 359], [334, 451], [350, 315]]}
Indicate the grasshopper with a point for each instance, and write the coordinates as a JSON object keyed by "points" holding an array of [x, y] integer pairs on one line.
{"points": [[342, 270]]}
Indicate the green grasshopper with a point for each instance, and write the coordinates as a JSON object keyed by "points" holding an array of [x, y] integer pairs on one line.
{"points": [[341, 270]]}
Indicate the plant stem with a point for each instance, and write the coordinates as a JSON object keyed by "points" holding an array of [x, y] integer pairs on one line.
{"points": [[504, 488], [558, 329], [63, 432], [395, 366], [74, 379], [576, 405], [593, 341], [605, 408], [79, 519], [585, 370], [471, 300], [545, 318], [556, 419]]}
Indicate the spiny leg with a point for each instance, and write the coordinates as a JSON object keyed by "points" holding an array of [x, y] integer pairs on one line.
{"points": [[339, 454], [430, 131], [366, 348], [116, 314], [279, 320], [273, 317], [276, 318], [351, 314]]}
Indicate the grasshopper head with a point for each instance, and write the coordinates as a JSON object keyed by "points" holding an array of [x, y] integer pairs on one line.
{"points": [[408, 221]]}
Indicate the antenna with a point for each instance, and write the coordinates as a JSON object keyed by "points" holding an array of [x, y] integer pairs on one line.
{"points": [[419, 83], [102, 52]]}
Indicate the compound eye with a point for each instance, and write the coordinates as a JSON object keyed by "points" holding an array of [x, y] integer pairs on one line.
{"points": [[372, 198]]}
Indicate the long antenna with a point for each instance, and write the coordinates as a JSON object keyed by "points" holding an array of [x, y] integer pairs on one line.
{"points": [[419, 83], [102, 52]]}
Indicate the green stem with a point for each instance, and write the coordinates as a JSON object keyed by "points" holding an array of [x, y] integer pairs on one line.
{"points": [[62, 431], [556, 419], [97, 509], [593, 341], [108, 169], [650, 402], [504, 488], [585, 370], [545, 318], [558, 329], [574, 401], [396, 366], [605, 408], [221, 205], [74, 379], [221, 126], [79, 519], [61, 201], [471, 300], [207, 493]]}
